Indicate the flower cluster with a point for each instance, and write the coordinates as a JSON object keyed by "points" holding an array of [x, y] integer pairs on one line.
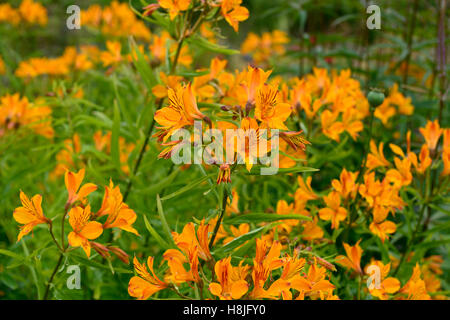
{"points": [[17, 112], [28, 12], [85, 224]]}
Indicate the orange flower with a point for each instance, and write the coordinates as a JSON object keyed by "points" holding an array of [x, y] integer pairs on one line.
{"points": [[232, 284], [304, 192], [144, 285], [182, 111], [174, 6], [386, 285], [376, 156], [415, 288], [30, 214], [353, 258], [119, 214], [401, 176], [263, 265], [431, 133], [250, 148], [234, 13], [347, 184], [188, 239], [311, 230], [330, 126], [270, 110], [73, 183], [334, 212], [446, 160], [176, 261], [2, 66], [112, 56], [83, 229], [424, 158], [254, 79], [314, 283], [382, 229]]}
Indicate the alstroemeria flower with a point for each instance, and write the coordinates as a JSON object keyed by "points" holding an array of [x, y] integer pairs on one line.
{"points": [[334, 211], [234, 13], [383, 286], [144, 285], [174, 6], [119, 214], [314, 283], [431, 133], [346, 185], [232, 284], [30, 214], [353, 258], [73, 183], [270, 110], [83, 229]]}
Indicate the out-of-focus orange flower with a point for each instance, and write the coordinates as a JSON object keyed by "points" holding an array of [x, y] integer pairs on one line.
{"points": [[83, 229], [415, 288], [73, 183], [353, 258], [112, 55], [376, 157], [9, 14], [334, 211], [161, 90], [330, 126], [30, 214], [33, 12], [346, 185], [174, 6], [2, 65], [144, 285], [304, 192], [232, 284], [234, 13], [382, 229], [424, 161], [311, 230], [401, 175], [431, 133]]}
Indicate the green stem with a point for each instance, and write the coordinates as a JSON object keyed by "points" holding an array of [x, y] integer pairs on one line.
{"points": [[219, 221], [47, 289]]}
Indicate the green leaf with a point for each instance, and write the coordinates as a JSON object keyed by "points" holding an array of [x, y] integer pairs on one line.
{"points": [[115, 151], [11, 254], [256, 170], [188, 187], [203, 43], [142, 66], [265, 217], [97, 265], [163, 219], [155, 235]]}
